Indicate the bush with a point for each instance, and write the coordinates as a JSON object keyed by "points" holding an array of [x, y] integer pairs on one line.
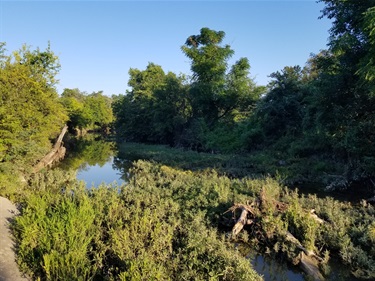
{"points": [[158, 227]]}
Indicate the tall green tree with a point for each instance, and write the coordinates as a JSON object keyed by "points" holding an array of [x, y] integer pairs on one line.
{"points": [[220, 95], [156, 109], [30, 114], [172, 110], [134, 111], [348, 105], [209, 66]]}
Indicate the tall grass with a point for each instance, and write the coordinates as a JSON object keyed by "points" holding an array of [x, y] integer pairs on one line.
{"points": [[163, 225], [156, 228]]}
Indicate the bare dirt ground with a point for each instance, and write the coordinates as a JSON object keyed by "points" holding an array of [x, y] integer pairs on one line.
{"points": [[9, 270]]}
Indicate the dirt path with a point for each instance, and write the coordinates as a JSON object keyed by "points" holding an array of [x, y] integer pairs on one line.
{"points": [[8, 267]]}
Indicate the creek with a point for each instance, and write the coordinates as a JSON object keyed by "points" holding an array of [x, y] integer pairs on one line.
{"points": [[98, 162]]}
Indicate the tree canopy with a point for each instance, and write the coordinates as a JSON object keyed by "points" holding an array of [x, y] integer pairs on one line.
{"points": [[166, 108], [30, 114], [324, 109], [87, 111]]}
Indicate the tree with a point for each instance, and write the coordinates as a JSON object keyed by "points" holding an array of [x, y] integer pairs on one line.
{"points": [[156, 109], [43, 65], [352, 36], [99, 107], [241, 92], [279, 113], [347, 114], [172, 110], [74, 102], [209, 66], [134, 111], [30, 114], [87, 111], [367, 65]]}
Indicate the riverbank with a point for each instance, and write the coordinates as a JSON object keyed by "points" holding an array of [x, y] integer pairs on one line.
{"points": [[179, 194]]}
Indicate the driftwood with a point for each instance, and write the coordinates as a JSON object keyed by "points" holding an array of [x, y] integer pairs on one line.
{"points": [[56, 154], [242, 220], [310, 267], [307, 259]]}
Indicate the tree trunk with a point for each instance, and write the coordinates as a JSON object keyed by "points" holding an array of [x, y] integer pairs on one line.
{"points": [[57, 153]]}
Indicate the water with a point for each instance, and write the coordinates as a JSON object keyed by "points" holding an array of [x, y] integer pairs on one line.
{"points": [[94, 175], [272, 270]]}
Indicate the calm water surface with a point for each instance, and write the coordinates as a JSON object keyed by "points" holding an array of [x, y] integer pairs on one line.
{"points": [[96, 174]]}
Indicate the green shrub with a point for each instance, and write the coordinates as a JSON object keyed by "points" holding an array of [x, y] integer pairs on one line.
{"points": [[158, 227]]}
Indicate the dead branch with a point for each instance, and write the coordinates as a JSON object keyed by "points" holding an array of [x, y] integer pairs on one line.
{"points": [[310, 267], [57, 153], [243, 219]]}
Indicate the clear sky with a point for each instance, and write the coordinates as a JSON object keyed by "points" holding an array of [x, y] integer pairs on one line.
{"points": [[98, 41]]}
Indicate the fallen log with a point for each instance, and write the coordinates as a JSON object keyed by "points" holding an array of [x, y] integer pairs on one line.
{"points": [[289, 237], [243, 219], [307, 259], [56, 154], [241, 222], [310, 267]]}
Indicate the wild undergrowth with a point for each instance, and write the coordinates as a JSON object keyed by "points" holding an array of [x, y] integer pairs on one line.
{"points": [[169, 224], [292, 168], [346, 231], [158, 227]]}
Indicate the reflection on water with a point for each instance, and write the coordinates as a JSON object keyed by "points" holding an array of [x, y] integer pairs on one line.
{"points": [[96, 174], [273, 270], [94, 160]]}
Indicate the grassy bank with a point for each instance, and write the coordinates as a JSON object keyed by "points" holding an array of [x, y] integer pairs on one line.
{"points": [[159, 227], [164, 225], [328, 173]]}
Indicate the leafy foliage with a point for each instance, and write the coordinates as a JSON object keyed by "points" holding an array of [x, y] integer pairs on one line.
{"points": [[87, 111], [166, 109], [155, 110], [30, 114], [158, 227]]}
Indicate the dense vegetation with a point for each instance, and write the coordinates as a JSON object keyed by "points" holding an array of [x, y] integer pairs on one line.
{"points": [[85, 111], [321, 114], [158, 227], [163, 225], [314, 123], [30, 114]]}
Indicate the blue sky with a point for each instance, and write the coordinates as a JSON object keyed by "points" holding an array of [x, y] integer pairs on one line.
{"points": [[98, 41]]}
